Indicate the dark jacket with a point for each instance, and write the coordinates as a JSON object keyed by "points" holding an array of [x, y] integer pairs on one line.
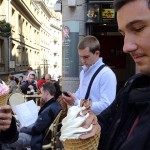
{"points": [[10, 135], [116, 121], [46, 116], [24, 87]]}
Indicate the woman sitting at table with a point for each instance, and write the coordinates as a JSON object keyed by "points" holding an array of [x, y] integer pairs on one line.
{"points": [[12, 84]]}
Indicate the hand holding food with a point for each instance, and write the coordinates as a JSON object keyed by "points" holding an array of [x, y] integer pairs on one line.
{"points": [[78, 123], [5, 117]]}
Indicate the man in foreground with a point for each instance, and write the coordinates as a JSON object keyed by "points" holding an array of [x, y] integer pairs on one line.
{"points": [[125, 123], [33, 135]]}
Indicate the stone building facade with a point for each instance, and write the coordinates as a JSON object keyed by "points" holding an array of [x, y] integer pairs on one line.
{"points": [[35, 38]]}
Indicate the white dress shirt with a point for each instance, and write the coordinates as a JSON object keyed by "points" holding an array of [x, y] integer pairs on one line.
{"points": [[103, 89]]}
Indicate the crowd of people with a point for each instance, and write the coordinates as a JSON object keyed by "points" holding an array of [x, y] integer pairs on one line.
{"points": [[50, 104], [33, 135], [121, 119]]}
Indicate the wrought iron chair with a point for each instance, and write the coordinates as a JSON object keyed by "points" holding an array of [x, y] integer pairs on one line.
{"points": [[53, 129], [16, 99]]}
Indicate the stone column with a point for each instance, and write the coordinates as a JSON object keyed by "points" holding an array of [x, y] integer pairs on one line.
{"points": [[73, 19]]}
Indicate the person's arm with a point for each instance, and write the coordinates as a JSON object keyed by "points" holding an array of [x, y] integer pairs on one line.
{"points": [[43, 122], [24, 87], [27, 130], [32, 88], [35, 87], [45, 118]]}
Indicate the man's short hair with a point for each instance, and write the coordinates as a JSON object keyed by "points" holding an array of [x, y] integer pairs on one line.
{"points": [[118, 4], [48, 86], [29, 68], [32, 75], [91, 42], [11, 77]]}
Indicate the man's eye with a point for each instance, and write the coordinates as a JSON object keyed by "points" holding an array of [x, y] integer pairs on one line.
{"points": [[85, 57], [139, 29]]}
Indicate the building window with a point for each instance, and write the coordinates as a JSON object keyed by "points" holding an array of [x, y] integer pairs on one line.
{"points": [[93, 13]]}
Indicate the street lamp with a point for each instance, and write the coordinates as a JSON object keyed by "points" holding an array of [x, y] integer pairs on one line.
{"points": [[19, 48]]}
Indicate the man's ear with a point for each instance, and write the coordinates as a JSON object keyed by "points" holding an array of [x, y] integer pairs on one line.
{"points": [[47, 93], [97, 53]]}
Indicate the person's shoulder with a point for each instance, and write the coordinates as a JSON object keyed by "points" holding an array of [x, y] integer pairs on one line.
{"points": [[133, 79], [55, 106], [24, 83], [52, 108], [132, 82], [107, 72]]}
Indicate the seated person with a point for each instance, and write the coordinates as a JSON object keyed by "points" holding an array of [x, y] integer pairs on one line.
{"points": [[29, 86], [12, 84], [20, 81], [33, 135], [58, 97], [40, 82]]}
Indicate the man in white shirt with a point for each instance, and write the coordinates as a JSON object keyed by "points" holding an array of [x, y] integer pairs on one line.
{"points": [[103, 89]]}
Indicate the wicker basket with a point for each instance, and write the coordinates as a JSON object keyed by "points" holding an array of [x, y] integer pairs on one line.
{"points": [[3, 99], [78, 144]]}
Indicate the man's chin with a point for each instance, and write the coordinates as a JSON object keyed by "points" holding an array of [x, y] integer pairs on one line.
{"points": [[144, 70], [87, 65]]}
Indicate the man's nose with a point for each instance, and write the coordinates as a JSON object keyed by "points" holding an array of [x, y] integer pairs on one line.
{"points": [[83, 60], [129, 44]]}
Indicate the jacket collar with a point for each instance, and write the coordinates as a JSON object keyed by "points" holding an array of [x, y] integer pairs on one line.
{"points": [[52, 100]]}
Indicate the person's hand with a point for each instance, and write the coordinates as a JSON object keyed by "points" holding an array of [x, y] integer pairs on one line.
{"points": [[87, 103], [30, 87], [69, 99], [5, 117], [92, 119]]}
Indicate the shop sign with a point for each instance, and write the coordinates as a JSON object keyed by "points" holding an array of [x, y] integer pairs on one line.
{"points": [[70, 58]]}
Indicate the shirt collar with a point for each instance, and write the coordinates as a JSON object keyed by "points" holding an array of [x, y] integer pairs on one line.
{"points": [[97, 63]]}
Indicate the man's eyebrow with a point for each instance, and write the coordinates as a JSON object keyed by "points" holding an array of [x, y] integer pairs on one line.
{"points": [[130, 24]]}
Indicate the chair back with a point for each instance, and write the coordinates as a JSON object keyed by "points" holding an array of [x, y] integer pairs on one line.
{"points": [[16, 99], [53, 129]]}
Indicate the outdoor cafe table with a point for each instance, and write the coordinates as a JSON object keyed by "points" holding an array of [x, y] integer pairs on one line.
{"points": [[34, 96]]}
